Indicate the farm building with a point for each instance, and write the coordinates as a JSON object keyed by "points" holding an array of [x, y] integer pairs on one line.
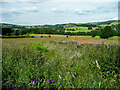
{"points": [[38, 36], [94, 28]]}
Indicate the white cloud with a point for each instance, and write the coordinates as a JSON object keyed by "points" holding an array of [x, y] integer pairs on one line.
{"points": [[57, 10], [105, 9], [15, 11], [30, 9], [115, 18], [24, 0], [18, 11], [84, 0], [54, 9], [60, 0], [82, 11], [79, 11], [24, 9]]}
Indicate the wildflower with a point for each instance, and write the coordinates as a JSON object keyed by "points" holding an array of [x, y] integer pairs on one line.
{"points": [[32, 81], [99, 84], [52, 80], [5, 83], [53, 84], [59, 76], [37, 81], [48, 80], [60, 85], [9, 83], [13, 86], [97, 64], [24, 85], [68, 84], [94, 82]]}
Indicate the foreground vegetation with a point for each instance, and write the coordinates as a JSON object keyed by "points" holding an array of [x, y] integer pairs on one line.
{"points": [[41, 63]]}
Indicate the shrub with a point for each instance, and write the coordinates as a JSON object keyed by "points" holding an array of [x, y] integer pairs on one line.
{"points": [[106, 32], [94, 33]]}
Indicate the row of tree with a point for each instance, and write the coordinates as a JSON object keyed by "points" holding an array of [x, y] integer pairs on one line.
{"points": [[106, 32], [45, 30]]}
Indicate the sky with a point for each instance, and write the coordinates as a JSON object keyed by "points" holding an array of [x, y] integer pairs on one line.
{"points": [[41, 12]]}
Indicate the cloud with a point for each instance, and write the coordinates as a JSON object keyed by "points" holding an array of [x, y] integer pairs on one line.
{"points": [[115, 18], [84, 0], [79, 11], [24, 0], [58, 10], [30, 9], [22, 10], [82, 11], [11, 13], [111, 7], [16, 12], [103, 9], [7, 15]]}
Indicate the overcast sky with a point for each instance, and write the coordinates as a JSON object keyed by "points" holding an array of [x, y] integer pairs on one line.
{"points": [[40, 12]]}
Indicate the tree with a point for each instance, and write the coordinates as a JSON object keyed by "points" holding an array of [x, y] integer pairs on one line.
{"points": [[16, 32], [106, 32], [94, 33], [6, 31], [89, 28]]}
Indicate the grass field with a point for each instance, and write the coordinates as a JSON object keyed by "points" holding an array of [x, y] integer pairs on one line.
{"points": [[40, 63], [113, 39], [114, 23], [78, 29]]}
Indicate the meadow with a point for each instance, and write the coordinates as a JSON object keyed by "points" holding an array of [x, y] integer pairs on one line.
{"points": [[44, 63], [77, 29]]}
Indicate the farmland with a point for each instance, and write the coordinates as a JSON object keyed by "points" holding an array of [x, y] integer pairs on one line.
{"points": [[45, 63], [77, 29]]}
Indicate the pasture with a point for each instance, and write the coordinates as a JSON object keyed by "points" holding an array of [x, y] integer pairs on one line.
{"points": [[77, 29], [42, 63]]}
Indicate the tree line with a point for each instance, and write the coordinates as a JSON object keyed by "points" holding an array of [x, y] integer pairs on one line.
{"points": [[106, 32]]}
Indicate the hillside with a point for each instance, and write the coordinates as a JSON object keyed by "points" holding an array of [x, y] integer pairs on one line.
{"points": [[69, 24], [66, 29]]}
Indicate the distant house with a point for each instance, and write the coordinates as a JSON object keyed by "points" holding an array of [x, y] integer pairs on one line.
{"points": [[114, 29], [94, 28], [37, 36], [66, 26]]}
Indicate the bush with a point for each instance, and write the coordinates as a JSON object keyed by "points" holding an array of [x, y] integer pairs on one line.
{"points": [[106, 32], [94, 33]]}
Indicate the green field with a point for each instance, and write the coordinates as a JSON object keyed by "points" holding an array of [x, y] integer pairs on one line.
{"points": [[42, 63], [112, 38], [114, 23], [78, 29]]}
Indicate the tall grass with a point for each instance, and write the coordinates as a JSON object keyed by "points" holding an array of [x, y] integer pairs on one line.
{"points": [[44, 64]]}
